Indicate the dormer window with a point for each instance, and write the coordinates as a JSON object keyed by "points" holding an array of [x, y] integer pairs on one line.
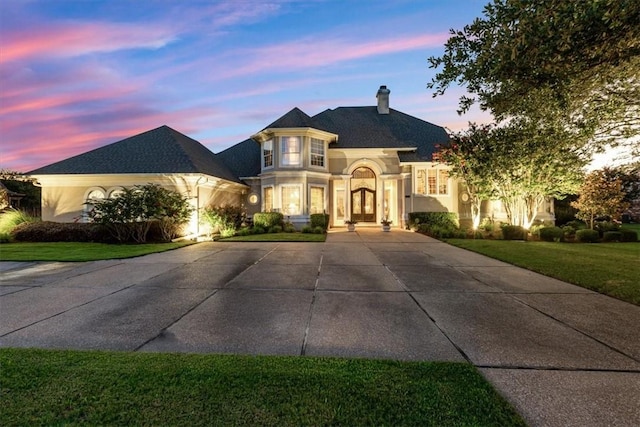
{"points": [[317, 152], [291, 148], [267, 154]]}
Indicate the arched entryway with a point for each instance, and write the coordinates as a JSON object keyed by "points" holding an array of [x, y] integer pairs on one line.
{"points": [[363, 195]]}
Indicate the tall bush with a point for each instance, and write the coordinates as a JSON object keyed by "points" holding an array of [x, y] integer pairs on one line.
{"points": [[268, 219], [224, 219], [130, 214], [319, 220], [513, 232], [441, 219]]}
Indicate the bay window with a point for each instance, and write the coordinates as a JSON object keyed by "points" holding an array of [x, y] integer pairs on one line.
{"points": [[317, 152], [267, 154], [291, 148], [316, 196], [290, 198]]}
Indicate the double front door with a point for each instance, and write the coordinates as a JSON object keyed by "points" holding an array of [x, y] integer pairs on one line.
{"points": [[363, 205]]}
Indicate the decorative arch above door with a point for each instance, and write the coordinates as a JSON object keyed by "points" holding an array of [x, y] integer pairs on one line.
{"points": [[363, 195]]}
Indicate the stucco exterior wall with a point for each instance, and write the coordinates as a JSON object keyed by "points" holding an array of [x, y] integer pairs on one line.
{"points": [[63, 196]]}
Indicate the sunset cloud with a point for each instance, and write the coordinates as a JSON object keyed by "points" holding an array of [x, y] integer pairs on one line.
{"points": [[78, 75], [79, 38]]}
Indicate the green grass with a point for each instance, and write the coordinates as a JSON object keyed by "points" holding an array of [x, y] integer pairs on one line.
{"points": [[609, 268], [278, 237], [45, 387], [74, 251]]}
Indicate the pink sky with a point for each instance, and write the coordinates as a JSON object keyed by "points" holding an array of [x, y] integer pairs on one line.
{"points": [[78, 75]]}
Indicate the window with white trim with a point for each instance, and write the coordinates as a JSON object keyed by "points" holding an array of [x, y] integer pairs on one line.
{"points": [[267, 198], [267, 154], [432, 182], [317, 152], [316, 199], [290, 199], [291, 148]]}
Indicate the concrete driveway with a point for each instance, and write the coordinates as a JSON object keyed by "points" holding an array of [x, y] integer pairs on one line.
{"points": [[561, 354]]}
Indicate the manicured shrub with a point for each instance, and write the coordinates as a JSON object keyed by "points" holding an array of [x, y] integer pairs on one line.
{"points": [[576, 225], [604, 226], [258, 230], [587, 236], [267, 220], [275, 229], [318, 230], [438, 231], [512, 232], [48, 231], [442, 219], [612, 236], [568, 231], [319, 220], [307, 229], [289, 228], [551, 234], [629, 235], [223, 219]]}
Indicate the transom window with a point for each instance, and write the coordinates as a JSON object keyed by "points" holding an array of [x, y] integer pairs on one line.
{"points": [[267, 154], [317, 152], [432, 182], [291, 150]]}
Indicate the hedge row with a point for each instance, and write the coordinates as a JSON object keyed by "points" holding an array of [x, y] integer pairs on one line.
{"points": [[268, 219], [47, 231], [439, 219]]}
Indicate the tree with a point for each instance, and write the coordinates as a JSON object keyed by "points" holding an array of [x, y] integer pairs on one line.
{"points": [[533, 161], [521, 163], [468, 156], [600, 195], [19, 183], [578, 61]]}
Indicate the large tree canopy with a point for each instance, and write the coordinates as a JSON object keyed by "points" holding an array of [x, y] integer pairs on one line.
{"points": [[521, 163], [578, 61]]}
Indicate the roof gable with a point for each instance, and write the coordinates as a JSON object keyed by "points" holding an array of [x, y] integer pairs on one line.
{"points": [[161, 150], [296, 118], [364, 127]]}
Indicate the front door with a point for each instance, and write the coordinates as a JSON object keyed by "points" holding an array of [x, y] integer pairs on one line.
{"points": [[363, 205]]}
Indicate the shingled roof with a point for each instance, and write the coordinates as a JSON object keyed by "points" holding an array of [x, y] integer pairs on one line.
{"points": [[161, 150], [364, 127], [296, 118], [243, 158]]}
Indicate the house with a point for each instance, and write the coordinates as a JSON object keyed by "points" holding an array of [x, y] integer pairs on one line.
{"points": [[360, 163]]}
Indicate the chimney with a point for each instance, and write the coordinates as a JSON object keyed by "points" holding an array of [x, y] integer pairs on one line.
{"points": [[383, 100]]}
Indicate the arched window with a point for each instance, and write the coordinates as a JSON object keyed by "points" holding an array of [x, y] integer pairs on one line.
{"points": [[93, 194]]}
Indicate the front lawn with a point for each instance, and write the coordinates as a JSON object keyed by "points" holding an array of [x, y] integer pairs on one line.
{"points": [[609, 268], [45, 387], [75, 251], [278, 237]]}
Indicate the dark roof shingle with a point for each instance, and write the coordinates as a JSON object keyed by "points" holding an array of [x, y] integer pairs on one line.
{"points": [[243, 158], [296, 118], [363, 127], [161, 150]]}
